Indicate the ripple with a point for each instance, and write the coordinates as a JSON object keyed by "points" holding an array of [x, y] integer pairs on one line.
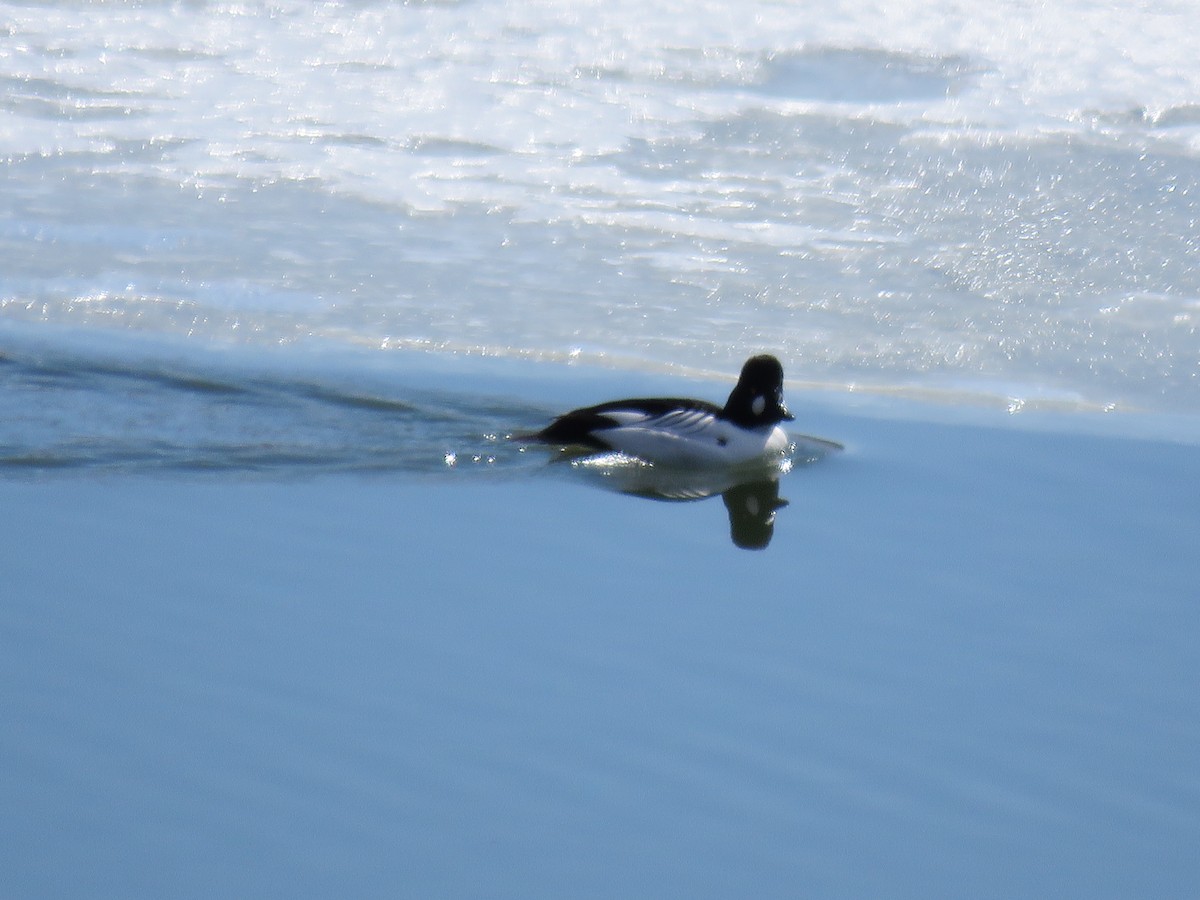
{"points": [[77, 412]]}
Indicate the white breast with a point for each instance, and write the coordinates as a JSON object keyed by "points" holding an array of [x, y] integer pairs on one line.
{"points": [[690, 437]]}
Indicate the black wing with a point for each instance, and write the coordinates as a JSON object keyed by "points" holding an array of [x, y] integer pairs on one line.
{"points": [[586, 427]]}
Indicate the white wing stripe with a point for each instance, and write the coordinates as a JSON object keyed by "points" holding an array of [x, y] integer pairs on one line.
{"points": [[626, 417], [684, 421]]}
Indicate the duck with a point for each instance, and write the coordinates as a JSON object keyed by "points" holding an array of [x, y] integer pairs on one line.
{"points": [[680, 432]]}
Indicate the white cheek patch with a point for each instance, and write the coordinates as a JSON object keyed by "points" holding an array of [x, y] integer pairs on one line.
{"points": [[759, 404]]}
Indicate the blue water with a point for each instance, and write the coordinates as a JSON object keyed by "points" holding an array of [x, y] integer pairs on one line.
{"points": [[956, 671], [285, 612]]}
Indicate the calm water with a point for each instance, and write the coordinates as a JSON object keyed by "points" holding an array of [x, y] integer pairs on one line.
{"points": [[285, 614], [964, 666]]}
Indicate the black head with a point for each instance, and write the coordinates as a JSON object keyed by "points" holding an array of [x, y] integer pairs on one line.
{"points": [[751, 509], [757, 400]]}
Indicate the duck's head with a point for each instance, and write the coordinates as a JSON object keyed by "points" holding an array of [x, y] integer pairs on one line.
{"points": [[757, 399]]}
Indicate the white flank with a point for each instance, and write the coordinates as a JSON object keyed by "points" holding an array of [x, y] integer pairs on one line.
{"points": [[693, 437]]}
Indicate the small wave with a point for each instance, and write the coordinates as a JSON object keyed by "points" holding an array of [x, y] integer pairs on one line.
{"points": [[72, 413]]}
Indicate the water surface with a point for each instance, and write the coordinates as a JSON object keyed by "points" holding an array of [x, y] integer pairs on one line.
{"points": [[962, 665]]}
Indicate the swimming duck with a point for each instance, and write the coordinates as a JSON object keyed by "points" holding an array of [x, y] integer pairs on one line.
{"points": [[674, 431]]}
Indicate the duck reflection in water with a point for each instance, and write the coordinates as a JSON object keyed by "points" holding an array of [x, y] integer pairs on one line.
{"points": [[750, 493]]}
